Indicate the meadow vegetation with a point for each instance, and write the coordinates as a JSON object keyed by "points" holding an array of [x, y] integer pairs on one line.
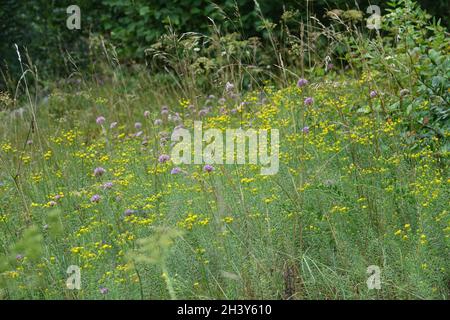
{"points": [[86, 178]]}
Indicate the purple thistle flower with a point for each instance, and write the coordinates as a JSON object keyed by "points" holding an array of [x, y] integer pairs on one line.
{"points": [[138, 125], [113, 125], [373, 94], [104, 290], [305, 130], [107, 185], [95, 198], [99, 171], [52, 203], [203, 112], [308, 101], [158, 122], [163, 158], [146, 113], [164, 112], [208, 168], [19, 257], [175, 118], [229, 86], [302, 82], [175, 170], [128, 212], [100, 120]]}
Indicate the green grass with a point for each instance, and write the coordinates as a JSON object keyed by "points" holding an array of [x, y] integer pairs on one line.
{"points": [[349, 194]]}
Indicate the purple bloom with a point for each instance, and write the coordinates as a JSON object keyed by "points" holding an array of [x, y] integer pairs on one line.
{"points": [[107, 185], [95, 198], [29, 142], [309, 101], [203, 112], [138, 125], [113, 125], [302, 82], [175, 118], [52, 203], [164, 112], [305, 130], [57, 197], [175, 170], [100, 120], [128, 212], [158, 122], [19, 257], [163, 158], [99, 171], [104, 290], [146, 113], [373, 94], [208, 168]]}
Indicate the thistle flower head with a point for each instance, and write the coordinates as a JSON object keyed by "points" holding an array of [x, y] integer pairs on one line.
{"points": [[95, 198], [107, 185], [308, 101], [302, 82], [104, 290], [229, 86], [99, 171], [163, 158], [208, 168], [100, 120]]}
